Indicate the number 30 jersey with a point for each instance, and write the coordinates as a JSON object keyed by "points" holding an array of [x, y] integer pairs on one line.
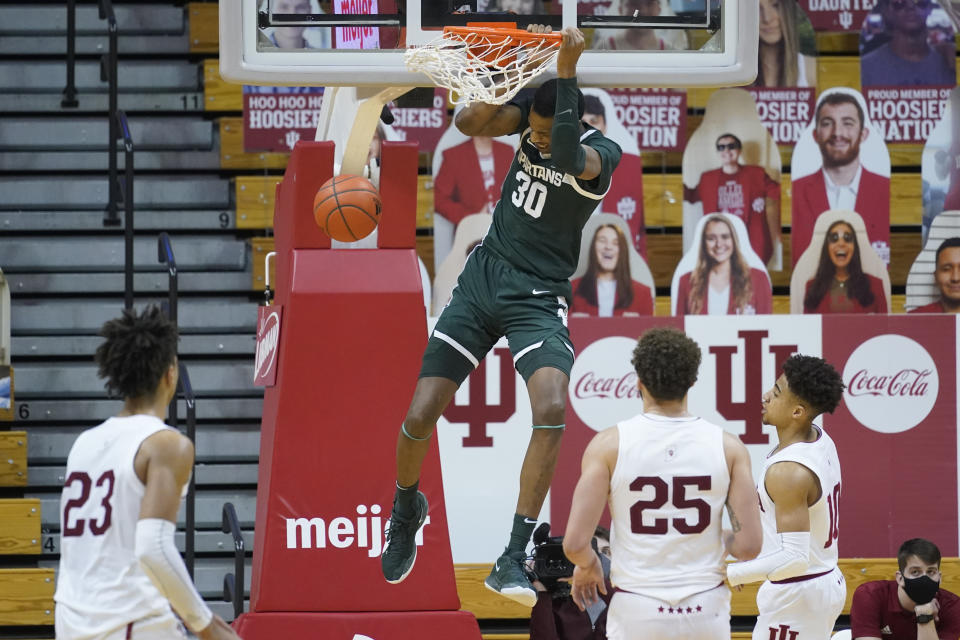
{"points": [[820, 457], [667, 494], [100, 585], [539, 219]]}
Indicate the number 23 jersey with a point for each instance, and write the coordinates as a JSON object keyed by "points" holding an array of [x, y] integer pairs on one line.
{"points": [[820, 457], [539, 219], [100, 585]]}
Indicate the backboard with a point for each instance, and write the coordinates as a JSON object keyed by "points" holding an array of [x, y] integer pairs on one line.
{"points": [[631, 43]]}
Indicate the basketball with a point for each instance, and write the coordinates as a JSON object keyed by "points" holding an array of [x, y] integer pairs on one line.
{"points": [[347, 208]]}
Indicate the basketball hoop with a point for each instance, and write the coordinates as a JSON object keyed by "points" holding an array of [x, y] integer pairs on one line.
{"points": [[484, 64]]}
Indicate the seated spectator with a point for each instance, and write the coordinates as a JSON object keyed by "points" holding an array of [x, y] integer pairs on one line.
{"points": [[840, 284], [947, 277], [555, 616], [607, 288], [910, 607]]}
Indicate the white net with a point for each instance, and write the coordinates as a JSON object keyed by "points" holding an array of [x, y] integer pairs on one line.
{"points": [[483, 65]]}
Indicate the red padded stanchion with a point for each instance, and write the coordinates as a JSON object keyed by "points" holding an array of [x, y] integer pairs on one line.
{"points": [[353, 328]]}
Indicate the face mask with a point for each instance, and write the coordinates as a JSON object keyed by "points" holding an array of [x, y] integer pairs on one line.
{"points": [[921, 590]]}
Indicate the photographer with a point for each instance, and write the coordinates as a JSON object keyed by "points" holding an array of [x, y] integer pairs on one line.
{"points": [[555, 616]]}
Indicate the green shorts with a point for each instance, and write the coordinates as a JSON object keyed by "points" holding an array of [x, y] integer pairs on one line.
{"points": [[492, 299]]}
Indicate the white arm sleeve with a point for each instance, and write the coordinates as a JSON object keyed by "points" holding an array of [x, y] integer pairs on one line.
{"points": [[791, 559], [162, 563]]}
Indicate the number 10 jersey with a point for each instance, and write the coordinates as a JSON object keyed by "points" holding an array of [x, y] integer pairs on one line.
{"points": [[100, 585], [820, 457], [667, 494]]}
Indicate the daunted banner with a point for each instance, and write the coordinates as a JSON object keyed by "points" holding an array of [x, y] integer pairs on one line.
{"points": [[837, 15]]}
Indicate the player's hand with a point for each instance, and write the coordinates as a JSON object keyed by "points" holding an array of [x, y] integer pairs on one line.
{"points": [[586, 582], [218, 630], [571, 47]]}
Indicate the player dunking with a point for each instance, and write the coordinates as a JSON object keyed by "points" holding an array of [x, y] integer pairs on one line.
{"points": [[804, 591], [120, 571], [516, 283], [667, 475]]}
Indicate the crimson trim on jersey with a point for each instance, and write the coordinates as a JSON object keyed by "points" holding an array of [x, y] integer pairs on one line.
{"points": [[802, 578]]}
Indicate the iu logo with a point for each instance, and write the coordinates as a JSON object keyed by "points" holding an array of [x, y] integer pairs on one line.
{"points": [[753, 355], [783, 632], [477, 413]]}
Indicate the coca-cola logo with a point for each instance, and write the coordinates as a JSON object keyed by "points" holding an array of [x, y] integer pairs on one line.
{"points": [[892, 383], [603, 384]]}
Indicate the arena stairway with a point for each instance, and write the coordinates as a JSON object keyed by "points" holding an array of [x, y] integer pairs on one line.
{"points": [[64, 268]]}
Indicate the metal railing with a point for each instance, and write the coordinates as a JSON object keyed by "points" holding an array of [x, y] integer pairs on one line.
{"points": [[185, 390], [118, 128], [70, 91], [120, 119], [233, 582]]}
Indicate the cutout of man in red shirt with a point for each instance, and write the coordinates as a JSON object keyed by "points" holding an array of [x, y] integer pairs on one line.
{"points": [[843, 182]]}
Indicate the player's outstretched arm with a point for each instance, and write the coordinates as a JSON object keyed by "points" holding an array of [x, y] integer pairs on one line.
{"points": [[745, 538], [566, 151], [792, 487], [164, 464], [589, 498]]}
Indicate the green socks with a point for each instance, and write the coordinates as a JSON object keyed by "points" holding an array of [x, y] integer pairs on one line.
{"points": [[520, 533]]}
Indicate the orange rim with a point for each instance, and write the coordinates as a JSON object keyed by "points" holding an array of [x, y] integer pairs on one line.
{"points": [[518, 36]]}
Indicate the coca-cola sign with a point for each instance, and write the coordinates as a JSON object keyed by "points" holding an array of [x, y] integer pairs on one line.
{"points": [[892, 383], [603, 384]]}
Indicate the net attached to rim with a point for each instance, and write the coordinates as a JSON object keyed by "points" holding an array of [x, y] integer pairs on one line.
{"points": [[484, 64]]}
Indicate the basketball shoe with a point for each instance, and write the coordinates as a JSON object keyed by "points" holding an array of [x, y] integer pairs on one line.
{"points": [[400, 549], [509, 578]]}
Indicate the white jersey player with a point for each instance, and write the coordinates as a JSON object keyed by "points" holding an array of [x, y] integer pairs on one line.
{"points": [[120, 571], [799, 491], [667, 476]]}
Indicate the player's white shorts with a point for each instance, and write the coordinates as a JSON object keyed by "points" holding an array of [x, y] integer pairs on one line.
{"points": [[165, 627], [702, 616], [801, 609]]}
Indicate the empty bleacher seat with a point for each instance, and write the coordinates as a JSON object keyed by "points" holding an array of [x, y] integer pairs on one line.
{"points": [[142, 28], [80, 143]]}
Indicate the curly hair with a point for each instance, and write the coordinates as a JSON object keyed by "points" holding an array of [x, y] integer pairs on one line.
{"points": [[741, 286], [858, 284], [137, 351], [814, 381], [666, 362], [621, 272]]}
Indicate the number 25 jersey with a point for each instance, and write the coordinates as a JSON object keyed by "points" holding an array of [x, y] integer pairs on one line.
{"points": [[100, 585], [667, 493]]}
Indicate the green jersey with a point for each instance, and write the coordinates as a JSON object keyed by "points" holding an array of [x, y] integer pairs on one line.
{"points": [[539, 219]]}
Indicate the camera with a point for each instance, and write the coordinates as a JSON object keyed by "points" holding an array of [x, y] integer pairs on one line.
{"points": [[549, 562]]}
